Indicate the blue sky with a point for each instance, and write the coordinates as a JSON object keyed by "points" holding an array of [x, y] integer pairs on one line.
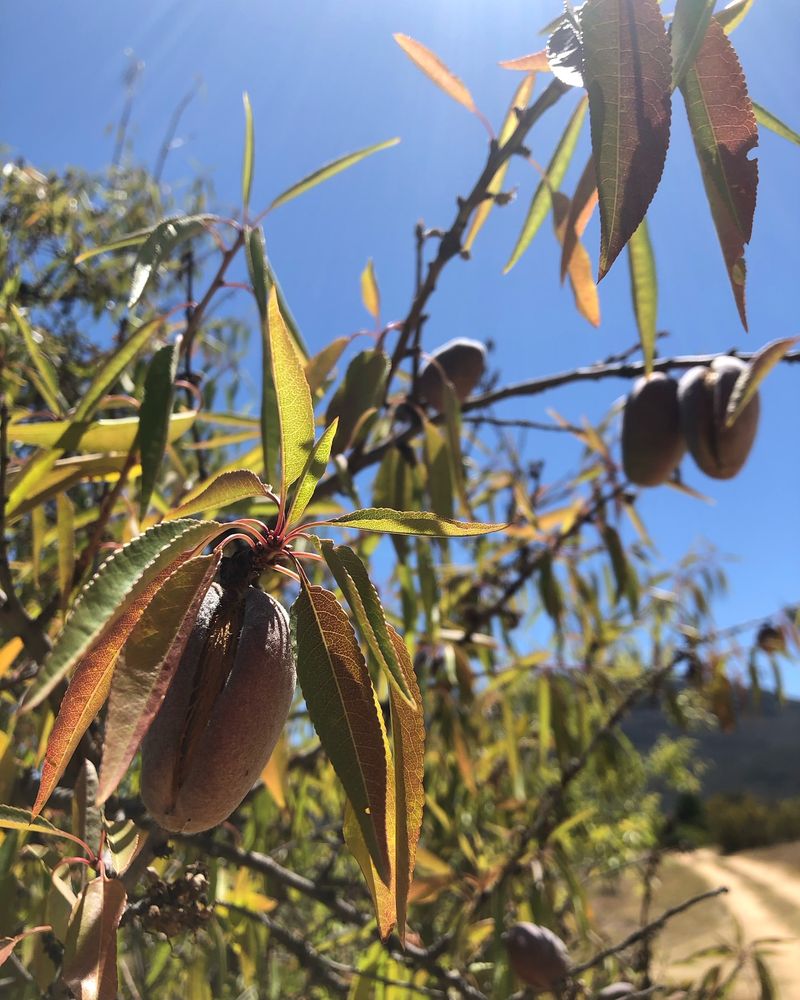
{"points": [[326, 78]]}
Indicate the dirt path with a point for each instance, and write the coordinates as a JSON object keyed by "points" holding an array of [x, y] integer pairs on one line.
{"points": [[751, 885]]}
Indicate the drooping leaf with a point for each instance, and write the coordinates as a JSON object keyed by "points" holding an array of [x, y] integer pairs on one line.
{"points": [[91, 681], [408, 743], [159, 246], [152, 654], [732, 14], [383, 892], [154, 418], [579, 269], [518, 103], [556, 169], [344, 711], [48, 384], [100, 435], [412, 522], [536, 62], [689, 25], [328, 171], [134, 239], [774, 124], [249, 154], [433, 67], [319, 367], [222, 490], [361, 390], [370, 294], [724, 131], [314, 471], [644, 291], [581, 209], [624, 581], [748, 382], [565, 50], [362, 598], [293, 397], [628, 74], [7, 945], [90, 950]]}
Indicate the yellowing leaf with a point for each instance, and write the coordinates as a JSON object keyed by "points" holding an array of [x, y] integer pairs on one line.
{"points": [[644, 291], [222, 490], [100, 436], [433, 67], [90, 950], [412, 522], [759, 367], [536, 62], [370, 295]]}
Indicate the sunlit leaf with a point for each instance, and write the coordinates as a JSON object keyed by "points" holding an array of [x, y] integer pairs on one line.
{"points": [[688, 29], [732, 14], [644, 291], [370, 294], [221, 490], [581, 209], [412, 522], [293, 397], [329, 170], [518, 103], [159, 246], [724, 130], [48, 382], [154, 418], [361, 390], [344, 711], [312, 473], [249, 154], [627, 73], [319, 367], [433, 67], [90, 950], [383, 892], [536, 62], [556, 169], [579, 269], [100, 435], [748, 382], [774, 124], [12, 818], [152, 654]]}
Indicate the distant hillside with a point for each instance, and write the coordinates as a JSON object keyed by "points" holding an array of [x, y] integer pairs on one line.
{"points": [[762, 755]]}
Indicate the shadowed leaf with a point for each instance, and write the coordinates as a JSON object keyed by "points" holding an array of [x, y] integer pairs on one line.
{"points": [[732, 15], [7, 945], [222, 490], [628, 74], [688, 29], [644, 291], [541, 202], [319, 367], [724, 132], [154, 417], [361, 390], [565, 51], [344, 711], [412, 522], [151, 656], [12, 818], [159, 246], [314, 471], [581, 209], [433, 67], [329, 170], [90, 949], [747, 384], [134, 239], [48, 383], [774, 124]]}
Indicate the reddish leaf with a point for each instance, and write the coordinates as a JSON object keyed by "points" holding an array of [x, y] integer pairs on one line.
{"points": [[90, 951], [627, 71], [536, 62], [724, 130], [583, 285], [433, 67], [580, 211], [11, 943]]}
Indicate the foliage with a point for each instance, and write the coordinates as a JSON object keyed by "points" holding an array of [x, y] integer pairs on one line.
{"points": [[459, 725]]}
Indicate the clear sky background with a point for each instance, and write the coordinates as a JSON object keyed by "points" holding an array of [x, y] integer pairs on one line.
{"points": [[326, 78]]}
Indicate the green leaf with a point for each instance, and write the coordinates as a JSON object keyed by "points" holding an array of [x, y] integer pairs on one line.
{"points": [[100, 436], [255, 250], [556, 169], [249, 153], [518, 103], [724, 131], [370, 293], [65, 527], [362, 598], [314, 471], [328, 171], [360, 392], [620, 567], [627, 71], [768, 989], [412, 522], [154, 417], [748, 382], [222, 490], [436, 71], [344, 710], [319, 367], [439, 473], [159, 246], [12, 818], [48, 384], [105, 599], [151, 657], [134, 239], [90, 949], [293, 397], [689, 25], [644, 291], [732, 15], [774, 124], [545, 725]]}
